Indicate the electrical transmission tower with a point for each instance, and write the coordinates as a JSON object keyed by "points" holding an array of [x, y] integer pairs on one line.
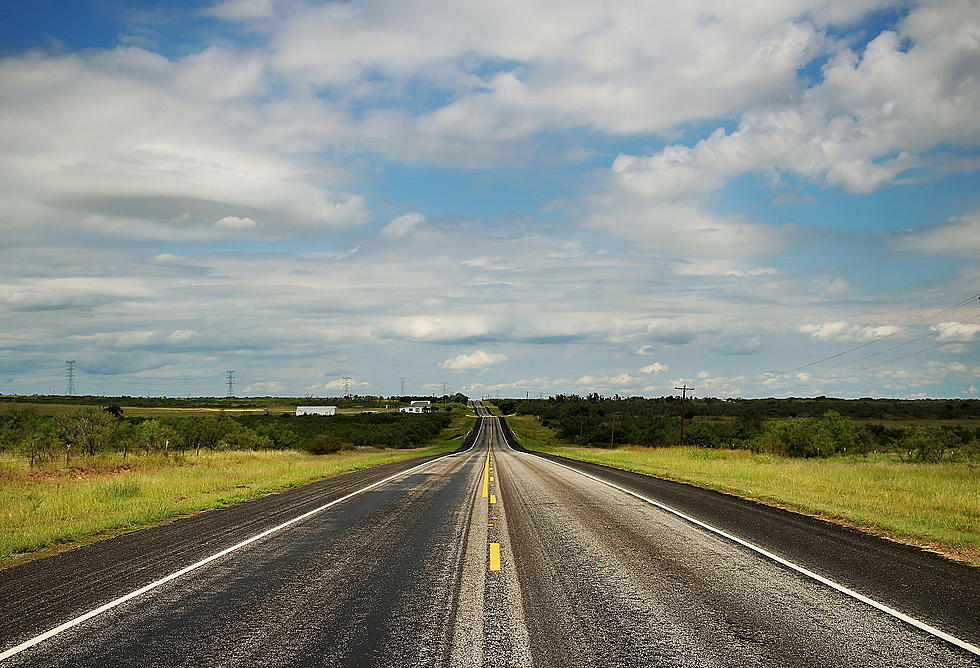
{"points": [[403, 385], [444, 392], [230, 379], [70, 377], [347, 380]]}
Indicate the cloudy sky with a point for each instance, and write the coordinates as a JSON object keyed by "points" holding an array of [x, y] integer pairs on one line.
{"points": [[511, 197]]}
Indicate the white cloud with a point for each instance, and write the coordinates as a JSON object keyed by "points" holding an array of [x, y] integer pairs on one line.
{"points": [[210, 141], [243, 10], [236, 223], [182, 335], [265, 387], [869, 121], [845, 331], [477, 360], [655, 368], [403, 225], [830, 286], [435, 328], [167, 258], [337, 385], [957, 332], [960, 236]]}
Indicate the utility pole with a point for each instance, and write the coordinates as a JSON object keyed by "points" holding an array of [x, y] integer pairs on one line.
{"points": [[230, 380], [684, 390], [347, 380], [70, 377]]}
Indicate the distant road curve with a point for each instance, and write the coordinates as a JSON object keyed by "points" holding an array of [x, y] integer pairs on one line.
{"points": [[490, 556]]}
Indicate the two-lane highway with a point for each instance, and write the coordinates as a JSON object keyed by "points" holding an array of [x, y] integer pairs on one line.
{"points": [[490, 556]]}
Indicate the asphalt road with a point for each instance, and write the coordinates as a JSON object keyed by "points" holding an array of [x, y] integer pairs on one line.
{"points": [[490, 556]]}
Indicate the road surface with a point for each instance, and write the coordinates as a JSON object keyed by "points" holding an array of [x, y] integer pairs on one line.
{"points": [[492, 556]]}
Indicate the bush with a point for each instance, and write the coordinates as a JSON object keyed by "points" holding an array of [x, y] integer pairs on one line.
{"points": [[823, 436], [325, 445]]}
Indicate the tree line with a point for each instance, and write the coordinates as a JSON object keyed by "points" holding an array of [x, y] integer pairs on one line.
{"points": [[796, 428], [96, 431]]}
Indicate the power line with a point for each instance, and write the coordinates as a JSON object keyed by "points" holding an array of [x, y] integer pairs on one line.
{"points": [[70, 377], [896, 347], [927, 318], [230, 380], [922, 320], [684, 390]]}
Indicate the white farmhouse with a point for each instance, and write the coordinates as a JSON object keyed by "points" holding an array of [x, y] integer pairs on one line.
{"points": [[417, 407], [316, 410]]}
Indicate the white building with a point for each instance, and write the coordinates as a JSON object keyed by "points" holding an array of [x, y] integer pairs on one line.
{"points": [[316, 410], [412, 409]]}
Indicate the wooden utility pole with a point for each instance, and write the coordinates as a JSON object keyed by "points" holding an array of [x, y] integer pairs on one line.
{"points": [[684, 390]]}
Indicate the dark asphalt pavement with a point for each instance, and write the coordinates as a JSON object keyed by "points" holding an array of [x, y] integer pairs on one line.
{"points": [[400, 575]]}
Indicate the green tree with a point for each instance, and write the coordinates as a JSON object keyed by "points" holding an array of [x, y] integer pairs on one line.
{"points": [[154, 435]]}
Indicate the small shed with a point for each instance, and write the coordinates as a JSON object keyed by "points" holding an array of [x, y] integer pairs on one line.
{"points": [[316, 410]]}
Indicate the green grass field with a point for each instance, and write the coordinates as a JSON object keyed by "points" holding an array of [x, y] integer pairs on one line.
{"points": [[936, 506], [46, 510]]}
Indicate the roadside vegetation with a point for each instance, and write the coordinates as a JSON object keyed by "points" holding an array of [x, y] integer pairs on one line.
{"points": [[69, 478], [935, 505], [914, 431]]}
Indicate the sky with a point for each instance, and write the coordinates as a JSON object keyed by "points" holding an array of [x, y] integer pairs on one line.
{"points": [[763, 198]]}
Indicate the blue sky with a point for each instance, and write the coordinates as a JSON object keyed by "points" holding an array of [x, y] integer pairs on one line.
{"points": [[510, 197]]}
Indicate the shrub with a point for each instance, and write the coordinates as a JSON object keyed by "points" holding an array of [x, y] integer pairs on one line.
{"points": [[325, 445]]}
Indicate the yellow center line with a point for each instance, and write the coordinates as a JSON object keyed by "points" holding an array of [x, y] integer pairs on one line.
{"points": [[494, 556], [493, 498], [486, 475]]}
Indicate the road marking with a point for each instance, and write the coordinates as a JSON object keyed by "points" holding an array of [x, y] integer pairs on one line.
{"points": [[953, 640], [493, 498], [187, 569], [494, 556], [491, 478]]}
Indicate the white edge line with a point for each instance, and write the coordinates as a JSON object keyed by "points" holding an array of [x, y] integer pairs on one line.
{"points": [[953, 640], [27, 644]]}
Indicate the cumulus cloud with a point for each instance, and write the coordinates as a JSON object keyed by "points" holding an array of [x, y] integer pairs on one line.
{"points": [[655, 368], [845, 331], [478, 360], [956, 332], [208, 140], [869, 121]]}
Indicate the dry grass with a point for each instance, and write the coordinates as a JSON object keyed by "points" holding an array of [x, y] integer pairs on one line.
{"points": [[43, 511], [936, 506]]}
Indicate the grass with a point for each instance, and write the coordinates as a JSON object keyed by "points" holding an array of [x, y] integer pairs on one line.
{"points": [[935, 506], [47, 510]]}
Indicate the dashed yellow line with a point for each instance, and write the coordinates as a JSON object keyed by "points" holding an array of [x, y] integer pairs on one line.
{"points": [[493, 498], [494, 556]]}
